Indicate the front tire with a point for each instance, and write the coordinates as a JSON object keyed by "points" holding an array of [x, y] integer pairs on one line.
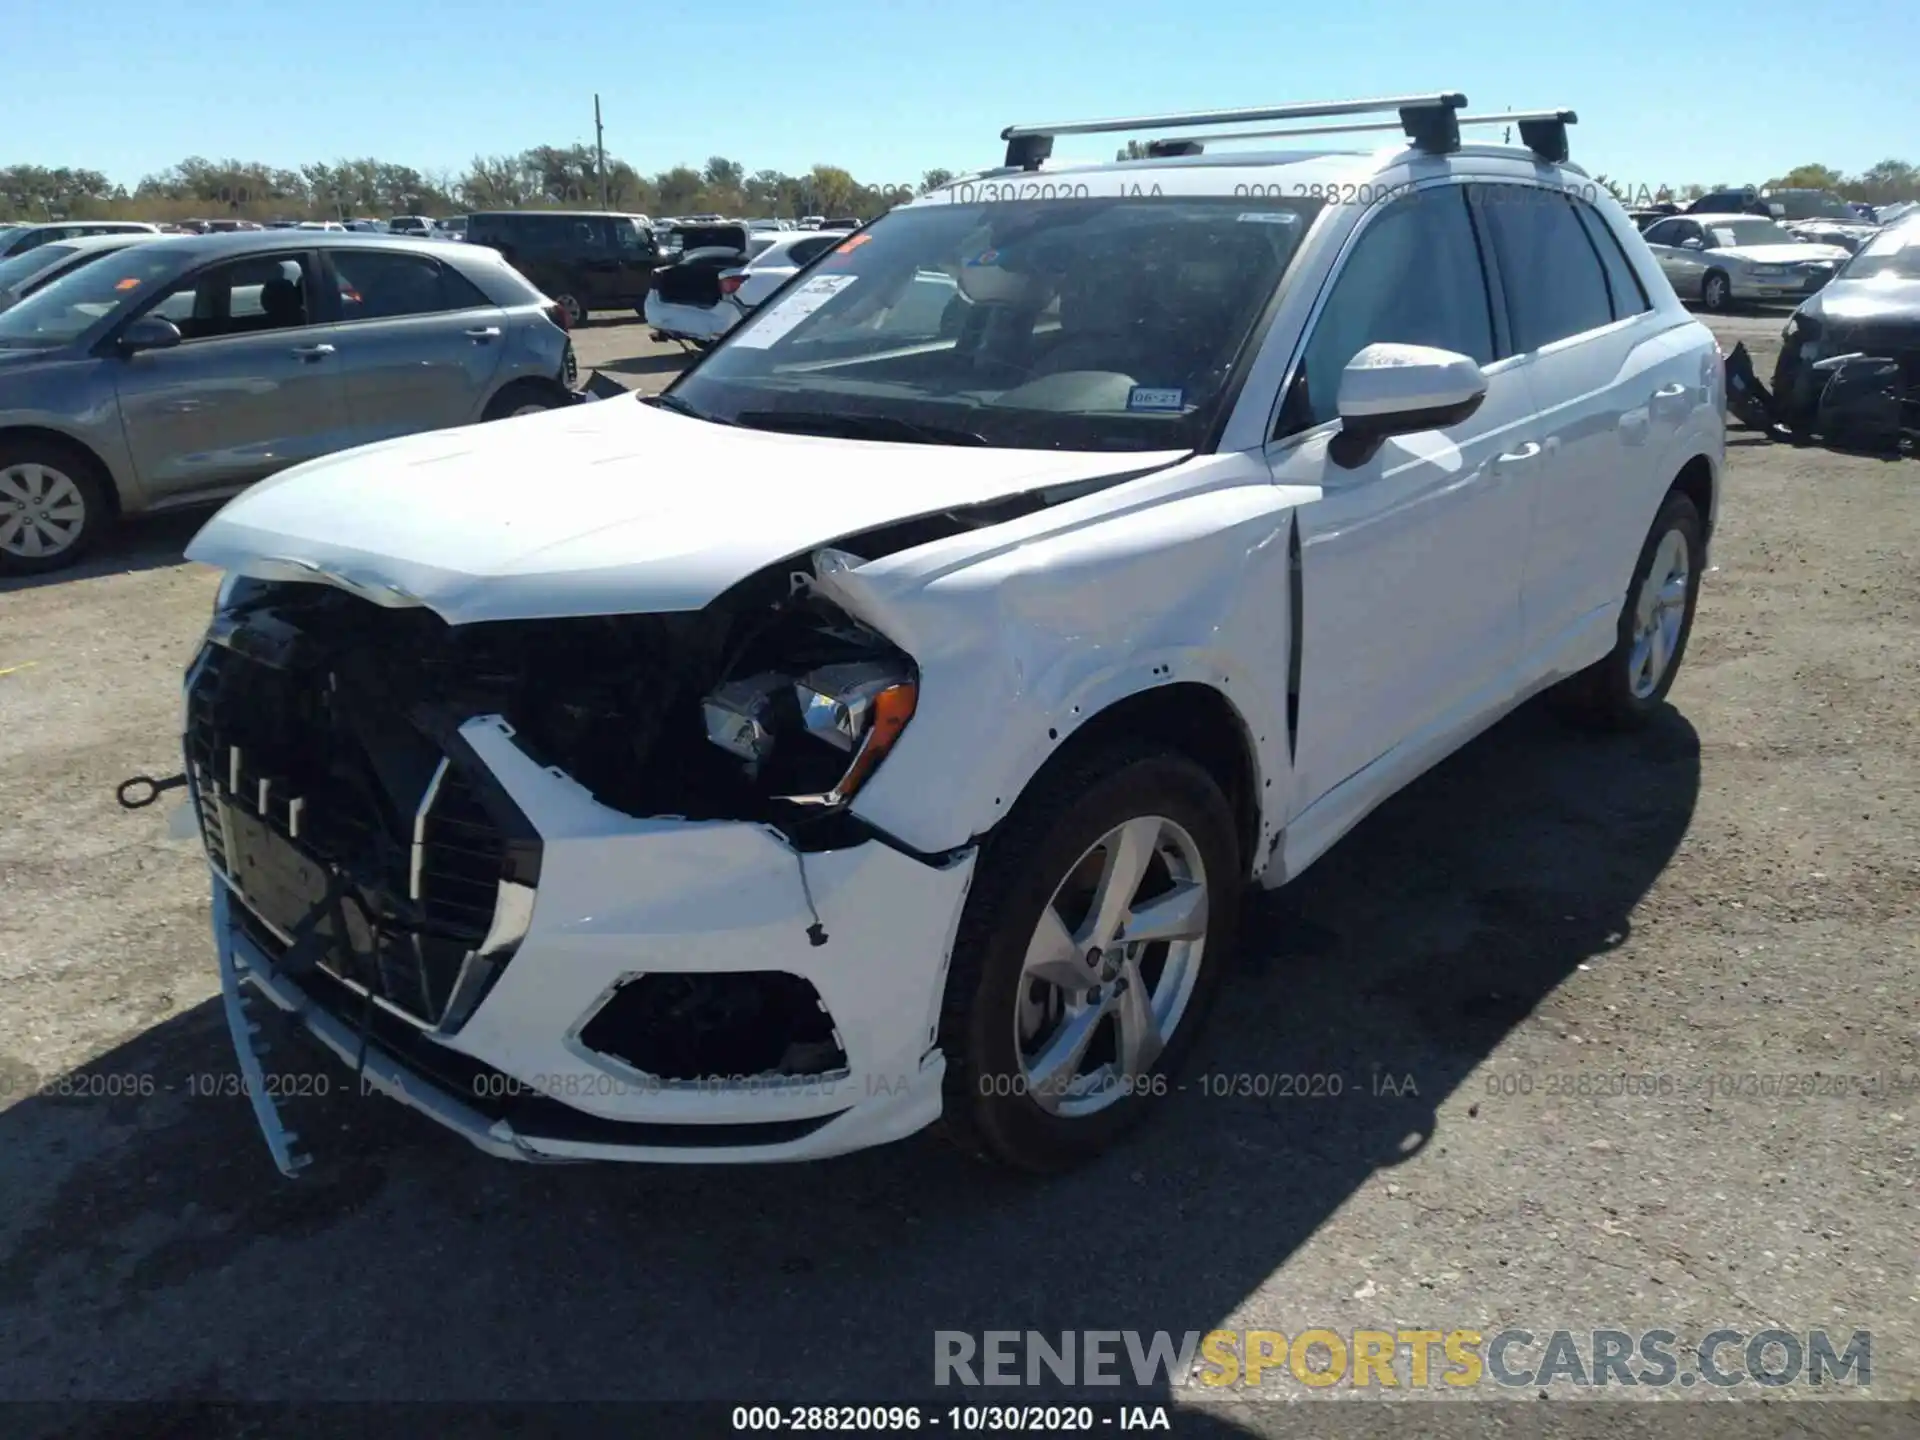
{"points": [[53, 506], [1623, 691], [523, 398], [1716, 292], [1093, 941]]}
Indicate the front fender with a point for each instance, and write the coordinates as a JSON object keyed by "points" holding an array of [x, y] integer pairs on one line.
{"points": [[1022, 646]]}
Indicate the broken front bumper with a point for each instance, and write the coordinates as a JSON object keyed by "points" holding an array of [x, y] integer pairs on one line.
{"points": [[620, 899]]}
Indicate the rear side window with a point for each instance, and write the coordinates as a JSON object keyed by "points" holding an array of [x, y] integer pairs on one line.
{"points": [[1414, 277], [1624, 289], [805, 252], [382, 285], [1554, 284]]}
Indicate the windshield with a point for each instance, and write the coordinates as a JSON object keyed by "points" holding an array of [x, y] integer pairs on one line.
{"points": [[1811, 205], [1110, 323], [1894, 253], [1728, 233], [69, 307], [30, 262]]}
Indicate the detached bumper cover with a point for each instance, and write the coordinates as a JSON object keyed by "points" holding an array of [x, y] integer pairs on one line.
{"points": [[618, 898]]}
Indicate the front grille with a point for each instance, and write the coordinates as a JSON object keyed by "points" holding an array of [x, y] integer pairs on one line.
{"points": [[379, 842]]}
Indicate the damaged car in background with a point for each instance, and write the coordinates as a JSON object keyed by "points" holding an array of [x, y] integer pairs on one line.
{"points": [[909, 762]]}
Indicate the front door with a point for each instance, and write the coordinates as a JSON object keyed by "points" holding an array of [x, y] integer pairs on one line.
{"points": [[419, 344], [1410, 564], [254, 387]]}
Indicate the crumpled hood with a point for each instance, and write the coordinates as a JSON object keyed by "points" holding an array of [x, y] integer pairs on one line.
{"points": [[1780, 254], [612, 507], [1883, 299]]}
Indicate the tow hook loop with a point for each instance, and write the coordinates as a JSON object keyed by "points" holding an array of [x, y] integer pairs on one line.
{"points": [[142, 790]]}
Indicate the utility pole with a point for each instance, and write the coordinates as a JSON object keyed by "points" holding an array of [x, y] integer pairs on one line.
{"points": [[600, 152]]}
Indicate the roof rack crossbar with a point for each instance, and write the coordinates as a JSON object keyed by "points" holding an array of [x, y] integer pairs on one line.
{"points": [[1543, 131], [1429, 115]]}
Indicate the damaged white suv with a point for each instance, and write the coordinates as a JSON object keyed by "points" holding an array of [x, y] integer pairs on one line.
{"points": [[883, 725]]}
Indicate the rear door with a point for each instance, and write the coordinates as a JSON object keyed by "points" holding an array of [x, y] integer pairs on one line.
{"points": [[419, 344], [1610, 378], [254, 387]]}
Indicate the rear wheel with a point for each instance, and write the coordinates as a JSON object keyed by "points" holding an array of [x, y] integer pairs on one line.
{"points": [[575, 307], [53, 506], [1093, 940], [1623, 690], [525, 397]]}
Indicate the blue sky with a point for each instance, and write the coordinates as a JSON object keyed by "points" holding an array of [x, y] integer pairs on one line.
{"points": [[1667, 92]]}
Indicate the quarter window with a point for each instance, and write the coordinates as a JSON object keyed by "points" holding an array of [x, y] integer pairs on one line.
{"points": [[1414, 277], [1624, 289], [1552, 278]]}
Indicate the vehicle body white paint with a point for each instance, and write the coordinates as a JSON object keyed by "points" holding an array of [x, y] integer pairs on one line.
{"points": [[1442, 582]]}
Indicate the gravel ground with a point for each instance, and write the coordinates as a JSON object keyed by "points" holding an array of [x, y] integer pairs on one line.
{"points": [[1731, 894]]}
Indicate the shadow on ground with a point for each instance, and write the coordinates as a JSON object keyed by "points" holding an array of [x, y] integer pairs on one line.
{"points": [[169, 1260], [149, 543]]}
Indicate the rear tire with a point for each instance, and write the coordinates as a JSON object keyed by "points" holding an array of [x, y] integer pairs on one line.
{"points": [[53, 505], [1623, 691], [1011, 1096], [575, 308], [523, 397]]}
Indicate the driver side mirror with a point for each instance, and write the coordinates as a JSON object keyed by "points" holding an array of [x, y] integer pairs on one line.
{"points": [[1389, 390], [1693, 242], [149, 332]]}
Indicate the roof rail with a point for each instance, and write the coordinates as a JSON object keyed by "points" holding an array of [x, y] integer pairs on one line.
{"points": [[1429, 120], [1542, 131]]}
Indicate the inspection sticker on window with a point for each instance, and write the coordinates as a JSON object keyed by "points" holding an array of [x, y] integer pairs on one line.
{"points": [[1146, 397], [788, 314]]}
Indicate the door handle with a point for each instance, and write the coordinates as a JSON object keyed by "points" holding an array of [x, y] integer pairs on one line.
{"points": [[1528, 451], [484, 332], [313, 352], [1670, 392]]}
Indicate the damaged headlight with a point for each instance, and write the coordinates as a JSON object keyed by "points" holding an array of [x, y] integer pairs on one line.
{"points": [[814, 736]]}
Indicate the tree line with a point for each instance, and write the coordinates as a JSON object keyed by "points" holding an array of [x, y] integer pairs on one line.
{"points": [[556, 176], [547, 176]]}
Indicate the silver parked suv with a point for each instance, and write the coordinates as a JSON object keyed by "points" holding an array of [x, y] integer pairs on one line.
{"points": [[183, 369]]}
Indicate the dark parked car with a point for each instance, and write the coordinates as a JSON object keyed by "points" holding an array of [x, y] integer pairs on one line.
{"points": [[1743, 200], [1871, 308], [585, 259], [185, 368]]}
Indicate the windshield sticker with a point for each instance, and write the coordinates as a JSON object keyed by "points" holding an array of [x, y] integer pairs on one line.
{"points": [[852, 245], [132, 282], [985, 257], [780, 321], [1146, 397], [1268, 217]]}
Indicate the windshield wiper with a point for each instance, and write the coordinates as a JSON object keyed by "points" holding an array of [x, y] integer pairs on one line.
{"points": [[681, 407], [859, 427]]}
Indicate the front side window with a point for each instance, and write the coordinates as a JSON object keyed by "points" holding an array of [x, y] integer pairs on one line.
{"points": [[1548, 269], [61, 312], [1726, 234], [1414, 277], [1098, 323], [243, 297]]}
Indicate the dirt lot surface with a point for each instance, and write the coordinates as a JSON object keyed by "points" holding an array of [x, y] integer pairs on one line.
{"points": [[1731, 895]]}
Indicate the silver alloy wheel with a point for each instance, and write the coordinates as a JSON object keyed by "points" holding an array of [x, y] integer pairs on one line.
{"points": [[1106, 983], [42, 511], [576, 311], [1714, 291], [1659, 610]]}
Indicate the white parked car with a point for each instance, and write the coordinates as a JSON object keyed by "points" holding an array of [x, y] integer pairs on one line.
{"points": [[710, 289], [1721, 260], [884, 723]]}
